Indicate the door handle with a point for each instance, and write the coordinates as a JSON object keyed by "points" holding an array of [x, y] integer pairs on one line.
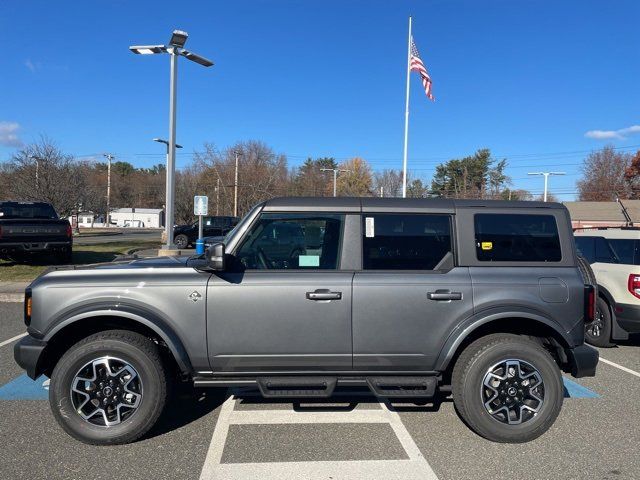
{"points": [[324, 294], [444, 295]]}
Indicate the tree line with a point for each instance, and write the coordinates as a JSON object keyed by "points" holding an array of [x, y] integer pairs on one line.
{"points": [[72, 184]]}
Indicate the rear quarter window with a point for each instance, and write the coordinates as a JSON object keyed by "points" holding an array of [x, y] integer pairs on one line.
{"points": [[516, 238]]}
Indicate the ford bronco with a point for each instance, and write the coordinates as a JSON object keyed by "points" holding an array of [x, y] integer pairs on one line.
{"points": [[411, 298]]}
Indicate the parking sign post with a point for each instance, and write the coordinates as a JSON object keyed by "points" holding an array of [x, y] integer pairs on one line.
{"points": [[200, 208]]}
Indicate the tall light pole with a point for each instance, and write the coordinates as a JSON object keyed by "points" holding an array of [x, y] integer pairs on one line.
{"points": [[235, 186], [37, 160], [175, 48], [107, 220], [546, 179], [167, 226], [335, 177]]}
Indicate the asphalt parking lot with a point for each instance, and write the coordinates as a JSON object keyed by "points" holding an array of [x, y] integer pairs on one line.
{"points": [[212, 433]]}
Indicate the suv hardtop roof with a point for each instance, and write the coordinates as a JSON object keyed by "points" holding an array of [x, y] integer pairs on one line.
{"points": [[358, 204]]}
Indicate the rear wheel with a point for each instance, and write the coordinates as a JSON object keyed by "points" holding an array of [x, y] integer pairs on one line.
{"points": [[109, 388], [598, 332], [507, 388]]}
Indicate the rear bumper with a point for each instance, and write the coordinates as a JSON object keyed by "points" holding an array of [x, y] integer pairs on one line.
{"points": [[628, 317], [35, 247], [28, 354], [583, 361]]}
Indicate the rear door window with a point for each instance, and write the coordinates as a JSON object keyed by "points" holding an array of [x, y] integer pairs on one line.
{"points": [[405, 242], [625, 250], [586, 248], [604, 253], [516, 238]]}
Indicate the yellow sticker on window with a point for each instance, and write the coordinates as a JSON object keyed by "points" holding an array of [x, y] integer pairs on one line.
{"points": [[486, 245]]}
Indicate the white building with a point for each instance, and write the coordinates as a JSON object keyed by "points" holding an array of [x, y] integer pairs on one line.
{"points": [[138, 217]]}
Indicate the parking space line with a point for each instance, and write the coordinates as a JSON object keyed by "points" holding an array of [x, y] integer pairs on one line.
{"points": [[414, 467], [13, 339], [11, 297], [624, 369]]}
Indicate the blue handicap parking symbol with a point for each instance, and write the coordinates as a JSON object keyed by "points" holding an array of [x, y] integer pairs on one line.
{"points": [[23, 388], [575, 390]]}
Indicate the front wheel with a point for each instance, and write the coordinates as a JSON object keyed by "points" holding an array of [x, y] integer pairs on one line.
{"points": [[507, 388], [109, 388]]}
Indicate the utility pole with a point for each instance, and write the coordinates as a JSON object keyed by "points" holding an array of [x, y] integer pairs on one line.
{"points": [[218, 197], [381, 192], [37, 160], [235, 187], [335, 177], [546, 180], [109, 157]]}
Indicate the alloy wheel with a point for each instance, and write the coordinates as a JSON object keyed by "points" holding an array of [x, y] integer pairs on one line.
{"points": [[106, 391], [512, 391]]}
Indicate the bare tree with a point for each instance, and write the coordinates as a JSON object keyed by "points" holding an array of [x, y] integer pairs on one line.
{"points": [[603, 175], [42, 172], [388, 183]]}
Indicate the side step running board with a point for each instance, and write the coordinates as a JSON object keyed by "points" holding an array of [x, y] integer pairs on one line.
{"points": [[296, 387], [403, 386]]}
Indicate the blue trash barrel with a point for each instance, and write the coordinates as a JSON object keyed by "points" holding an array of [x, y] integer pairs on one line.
{"points": [[199, 246]]}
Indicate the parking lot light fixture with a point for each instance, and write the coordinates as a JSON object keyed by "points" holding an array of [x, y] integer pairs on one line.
{"points": [[174, 49]]}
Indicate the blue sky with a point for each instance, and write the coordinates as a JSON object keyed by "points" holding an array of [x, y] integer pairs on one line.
{"points": [[527, 79]]}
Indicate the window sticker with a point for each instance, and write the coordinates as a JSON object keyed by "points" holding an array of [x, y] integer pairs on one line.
{"points": [[309, 261], [486, 245], [369, 227]]}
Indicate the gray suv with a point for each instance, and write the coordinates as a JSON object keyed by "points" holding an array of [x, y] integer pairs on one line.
{"points": [[410, 298]]}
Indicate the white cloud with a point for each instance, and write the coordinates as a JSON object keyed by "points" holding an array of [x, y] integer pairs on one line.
{"points": [[613, 134], [9, 134], [31, 66]]}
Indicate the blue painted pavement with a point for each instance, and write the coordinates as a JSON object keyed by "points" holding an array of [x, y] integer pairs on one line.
{"points": [[23, 388]]}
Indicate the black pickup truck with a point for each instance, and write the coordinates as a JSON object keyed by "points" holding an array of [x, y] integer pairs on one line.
{"points": [[33, 228]]}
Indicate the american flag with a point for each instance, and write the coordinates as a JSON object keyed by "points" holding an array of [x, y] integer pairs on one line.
{"points": [[418, 66]]}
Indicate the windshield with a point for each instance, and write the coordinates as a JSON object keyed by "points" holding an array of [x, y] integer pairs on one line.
{"points": [[27, 210], [239, 226]]}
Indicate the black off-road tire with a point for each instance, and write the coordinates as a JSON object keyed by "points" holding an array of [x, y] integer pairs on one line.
{"points": [[181, 241], [600, 337], [135, 349], [470, 370]]}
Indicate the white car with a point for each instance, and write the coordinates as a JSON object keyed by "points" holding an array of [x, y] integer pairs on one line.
{"points": [[614, 255]]}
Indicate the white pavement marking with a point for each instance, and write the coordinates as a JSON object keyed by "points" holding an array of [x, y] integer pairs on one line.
{"points": [[11, 297], [624, 369], [13, 339], [415, 467]]}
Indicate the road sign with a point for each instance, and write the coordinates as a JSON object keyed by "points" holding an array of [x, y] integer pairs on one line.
{"points": [[201, 205]]}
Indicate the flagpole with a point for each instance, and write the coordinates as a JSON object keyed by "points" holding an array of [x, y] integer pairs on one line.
{"points": [[406, 118]]}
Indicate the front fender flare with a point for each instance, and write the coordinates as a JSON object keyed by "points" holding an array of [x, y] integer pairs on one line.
{"points": [[466, 328], [136, 314]]}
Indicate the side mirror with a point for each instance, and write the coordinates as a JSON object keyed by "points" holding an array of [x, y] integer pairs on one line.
{"points": [[215, 256]]}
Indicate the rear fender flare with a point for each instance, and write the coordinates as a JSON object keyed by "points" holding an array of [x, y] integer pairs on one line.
{"points": [[466, 328]]}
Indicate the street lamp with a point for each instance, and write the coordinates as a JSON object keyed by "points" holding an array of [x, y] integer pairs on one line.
{"points": [[167, 226], [546, 179], [175, 48], [335, 177]]}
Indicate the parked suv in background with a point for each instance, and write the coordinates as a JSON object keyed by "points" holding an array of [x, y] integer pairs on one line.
{"points": [[614, 255], [407, 297], [30, 229], [186, 235]]}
